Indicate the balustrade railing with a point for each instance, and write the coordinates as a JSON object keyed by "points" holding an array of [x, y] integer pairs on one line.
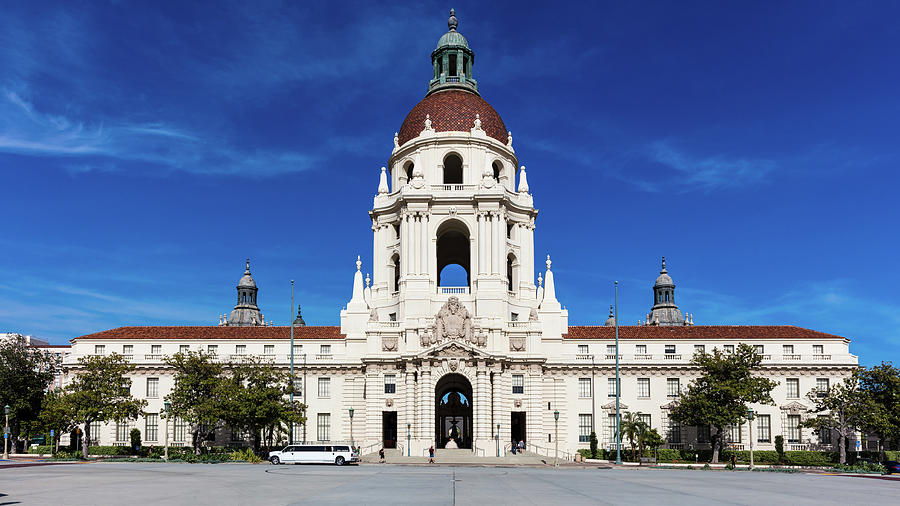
{"points": [[672, 356], [462, 290], [821, 357], [791, 357]]}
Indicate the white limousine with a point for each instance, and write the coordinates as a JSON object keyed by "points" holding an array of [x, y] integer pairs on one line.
{"points": [[313, 453]]}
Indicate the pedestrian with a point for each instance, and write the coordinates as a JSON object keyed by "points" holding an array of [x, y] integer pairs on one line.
{"points": [[431, 455], [521, 445], [733, 462], [381, 455], [512, 448]]}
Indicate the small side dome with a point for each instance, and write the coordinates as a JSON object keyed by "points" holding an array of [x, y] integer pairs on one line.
{"points": [[611, 321], [664, 279], [452, 38]]}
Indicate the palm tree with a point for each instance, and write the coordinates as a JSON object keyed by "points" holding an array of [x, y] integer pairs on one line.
{"points": [[632, 428]]}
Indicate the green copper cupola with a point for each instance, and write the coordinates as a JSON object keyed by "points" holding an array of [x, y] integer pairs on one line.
{"points": [[452, 61]]}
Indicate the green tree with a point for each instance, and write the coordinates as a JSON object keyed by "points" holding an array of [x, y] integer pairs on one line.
{"points": [[881, 385], [845, 409], [651, 439], [632, 427], [594, 443], [25, 374], [56, 415], [195, 396], [719, 397], [254, 399], [101, 392]]}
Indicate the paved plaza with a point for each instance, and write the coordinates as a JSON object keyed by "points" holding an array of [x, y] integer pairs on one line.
{"points": [[152, 483]]}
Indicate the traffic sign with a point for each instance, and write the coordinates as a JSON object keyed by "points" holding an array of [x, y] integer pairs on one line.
{"points": [[51, 433], [858, 444]]}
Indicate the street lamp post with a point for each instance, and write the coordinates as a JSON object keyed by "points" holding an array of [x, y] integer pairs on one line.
{"points": [[618, 416], [556, 438], [750, 416], [6, 434], [167, 407], [408, 427], [498, 439], [351, 427], [293, 385]]}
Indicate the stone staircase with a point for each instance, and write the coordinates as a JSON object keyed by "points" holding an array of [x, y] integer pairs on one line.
{"points": [[459, 456]]}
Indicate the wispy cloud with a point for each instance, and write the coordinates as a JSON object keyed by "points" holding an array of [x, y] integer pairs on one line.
{"points": [[710, 172]]}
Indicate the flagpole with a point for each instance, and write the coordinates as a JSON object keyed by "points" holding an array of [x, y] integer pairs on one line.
{"points": [[291, 316], [618, 392]]}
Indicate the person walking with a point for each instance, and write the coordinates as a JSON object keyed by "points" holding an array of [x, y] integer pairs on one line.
{"points": [[431, 455], [733, 461], [521, 445], [381, 455]]}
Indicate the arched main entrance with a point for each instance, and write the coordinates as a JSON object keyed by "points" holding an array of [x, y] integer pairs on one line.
{"points": [[453, 411]]}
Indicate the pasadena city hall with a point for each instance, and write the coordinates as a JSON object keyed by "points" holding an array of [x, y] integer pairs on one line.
{"points": [[493, 361]]}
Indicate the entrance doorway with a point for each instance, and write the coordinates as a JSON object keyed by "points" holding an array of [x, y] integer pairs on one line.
{"points": [[389, 429], [453, 412], [517, 426]]}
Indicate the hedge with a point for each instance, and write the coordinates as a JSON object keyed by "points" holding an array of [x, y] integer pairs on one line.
{"points": [[41, 449]]}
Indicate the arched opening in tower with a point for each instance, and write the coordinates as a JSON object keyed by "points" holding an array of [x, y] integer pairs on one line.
{"points": [[453, 254], [395, 274], [498, 169], [512, 267], [453, 170], [408, 169]]}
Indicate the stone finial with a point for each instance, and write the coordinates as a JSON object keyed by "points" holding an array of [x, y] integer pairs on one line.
{"points": [[358, 263], [548, 262], [382, 182], [523, 180], [477, 122], [663, 271], [247, 269], [368, 280], [452, 23], [508, 138], [540, 280], [428, 122], [396, 140]]}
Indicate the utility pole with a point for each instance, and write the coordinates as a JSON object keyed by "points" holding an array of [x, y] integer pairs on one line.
{"points": [[618, 393], [291, 316]]}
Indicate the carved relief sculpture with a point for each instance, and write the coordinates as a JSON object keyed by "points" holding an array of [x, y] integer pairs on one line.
{"points": [[453, 321], [389, 343], [516, 344]]}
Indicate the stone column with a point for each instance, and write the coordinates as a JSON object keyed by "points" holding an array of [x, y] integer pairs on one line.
{"points": [[527, 261], [404, 244], [416, 242], [425, 240], [481, 242], [410, 399], [426, 397], [482, 408]]}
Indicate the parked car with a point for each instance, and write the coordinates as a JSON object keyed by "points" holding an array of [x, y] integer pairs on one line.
{"points": [[314, 453], [892, 466]]}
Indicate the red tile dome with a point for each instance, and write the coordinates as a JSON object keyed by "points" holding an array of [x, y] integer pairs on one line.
{"points": [[452, 111]]}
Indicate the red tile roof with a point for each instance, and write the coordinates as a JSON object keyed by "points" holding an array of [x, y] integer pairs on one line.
{"points": [[700, 332], [452, 111], [216, 333]]}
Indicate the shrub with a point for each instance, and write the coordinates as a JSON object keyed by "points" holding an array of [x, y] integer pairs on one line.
{"points": [[42, 449], [779, 448], [862, 467], [810, 458], [135, 436], [594, 442]]}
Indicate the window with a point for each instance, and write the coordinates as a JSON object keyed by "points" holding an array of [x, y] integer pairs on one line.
{"points": [[183, 348], [390, 384], [392, 317], [793, 429], [821, 387], [764, 428], [298, 349], [670, 349], [699, 348], [703, 434], [236, 434], [584, 387], [729, 348], [584, 428], [323, 427], [824, 433], [95, 433], [240, 349], [513, 317], [611, 349], [151, 427], [152, 388], [733, 434], [818, 349], [758, 349], [582, 349], [180, 430], [793, 388], [325, 349], [127, 349], [212, 349], [611, 387], [298, 387], [324, 387], [155, 349], [453, 169], [269, 349], [645, 418], [643, 388], [673, 435], [611, 429], [673, 387], [122, 430], [99, 349], [641, 349], [788, 349], [518, 384]]}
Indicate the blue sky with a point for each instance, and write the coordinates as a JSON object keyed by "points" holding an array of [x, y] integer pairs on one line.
{"points": [[147, 148]]}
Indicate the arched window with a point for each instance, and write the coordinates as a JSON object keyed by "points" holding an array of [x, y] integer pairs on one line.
{"points": [[453, 254], [498, 169], [408, 169], [244, 299], [395, 262], [667, 296], [452, 64], [453, 173]]}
